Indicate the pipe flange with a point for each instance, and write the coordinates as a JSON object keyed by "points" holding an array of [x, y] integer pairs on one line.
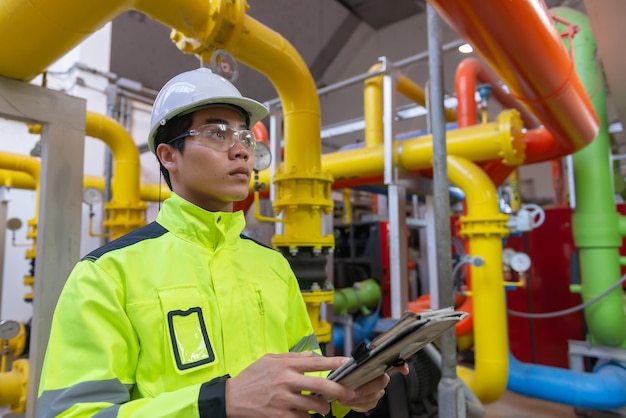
{"points": [[512, 145]]}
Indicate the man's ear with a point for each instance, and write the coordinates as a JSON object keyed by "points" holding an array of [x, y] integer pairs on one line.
{"points": [[165, 153]]}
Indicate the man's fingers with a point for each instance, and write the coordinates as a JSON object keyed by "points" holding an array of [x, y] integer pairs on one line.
{"points": [[313, 363], [325, 388]]}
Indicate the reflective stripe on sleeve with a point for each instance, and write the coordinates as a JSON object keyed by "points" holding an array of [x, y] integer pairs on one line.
{"points": [[308, 343], [52, 403]]}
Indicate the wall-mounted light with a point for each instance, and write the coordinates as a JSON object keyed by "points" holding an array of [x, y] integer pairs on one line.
{"points": [[465, 49]]}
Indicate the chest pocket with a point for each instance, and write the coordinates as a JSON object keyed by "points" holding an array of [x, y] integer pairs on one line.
{"points": [[187, 329]]}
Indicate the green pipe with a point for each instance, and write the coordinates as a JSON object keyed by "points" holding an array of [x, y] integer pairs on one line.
{"points": [[363, 296], [595, 222]]}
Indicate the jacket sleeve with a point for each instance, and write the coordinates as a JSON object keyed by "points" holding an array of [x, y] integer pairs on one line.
{"points": [[91, 359]]}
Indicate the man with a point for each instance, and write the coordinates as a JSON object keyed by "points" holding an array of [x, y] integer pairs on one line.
{"points": [[186, 317]]}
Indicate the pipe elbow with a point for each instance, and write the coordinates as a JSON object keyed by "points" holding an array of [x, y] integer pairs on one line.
{"points": [[604, 389]]}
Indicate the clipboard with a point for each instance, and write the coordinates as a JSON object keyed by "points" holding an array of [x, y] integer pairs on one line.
{"points": [[391, 348]]}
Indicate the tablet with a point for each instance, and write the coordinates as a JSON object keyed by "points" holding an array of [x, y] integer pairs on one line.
{"points": [[391, 348]]}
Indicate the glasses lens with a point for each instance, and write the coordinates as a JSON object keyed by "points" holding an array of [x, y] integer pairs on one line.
{"points": [[222, 137], [247, 139]]}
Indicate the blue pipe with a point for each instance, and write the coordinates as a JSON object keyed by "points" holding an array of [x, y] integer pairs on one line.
{"points": [[604, 389], [361, 330]]}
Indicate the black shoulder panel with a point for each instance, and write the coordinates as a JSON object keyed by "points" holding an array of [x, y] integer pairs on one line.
{"points": [[150, 231], [255, 241]]}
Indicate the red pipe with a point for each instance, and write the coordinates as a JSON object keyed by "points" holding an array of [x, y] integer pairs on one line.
{"points": [[519, 42]]}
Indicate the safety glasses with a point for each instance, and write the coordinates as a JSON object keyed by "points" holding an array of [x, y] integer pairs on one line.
{"points": [[220, 137]]}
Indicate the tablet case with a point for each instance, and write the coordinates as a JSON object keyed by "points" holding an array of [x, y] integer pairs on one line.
{"points": [[391, 348]]}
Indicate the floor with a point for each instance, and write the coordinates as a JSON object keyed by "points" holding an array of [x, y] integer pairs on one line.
{"points": [[512, 405]]}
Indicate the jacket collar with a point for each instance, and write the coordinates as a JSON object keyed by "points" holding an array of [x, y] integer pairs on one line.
{"points": [[192, 223]]}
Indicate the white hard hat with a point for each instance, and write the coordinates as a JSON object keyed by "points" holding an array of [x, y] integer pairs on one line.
{"points": [[195, 89]]}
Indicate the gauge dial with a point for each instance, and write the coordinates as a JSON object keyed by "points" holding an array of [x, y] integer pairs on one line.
{"points": [[9, 330], [14, 224], [507, 254], [92, 196], [262, 156], [520, 262]]}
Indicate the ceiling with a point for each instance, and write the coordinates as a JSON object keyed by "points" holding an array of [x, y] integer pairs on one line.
{"points": [[141, 48], [379, 14]]}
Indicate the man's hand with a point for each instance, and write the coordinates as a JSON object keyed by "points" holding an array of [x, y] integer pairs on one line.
{"points": [[273, 385], [369, 394]]}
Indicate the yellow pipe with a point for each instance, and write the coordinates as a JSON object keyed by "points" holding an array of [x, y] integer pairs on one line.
{"points": [[503, 139], [347, 206], [414, 92], [484, 226], [147, 192], [13, 386], [16, 179], [125, 154], [125, 211], [10, 391], [24, 164], [23, 181], [31, 167], [373, 100], [48, 29], [373, 108]]}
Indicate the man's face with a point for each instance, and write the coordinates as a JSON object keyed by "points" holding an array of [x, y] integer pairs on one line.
{"points": [[207, 177]]}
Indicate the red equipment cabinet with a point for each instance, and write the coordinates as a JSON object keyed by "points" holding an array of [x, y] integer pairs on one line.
{"points": [[554, 261]]}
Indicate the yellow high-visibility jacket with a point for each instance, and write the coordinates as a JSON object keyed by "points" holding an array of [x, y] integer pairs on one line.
{"points": [[153, 323]]}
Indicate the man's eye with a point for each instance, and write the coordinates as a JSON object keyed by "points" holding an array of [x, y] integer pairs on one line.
{"points": [[216, 134]]}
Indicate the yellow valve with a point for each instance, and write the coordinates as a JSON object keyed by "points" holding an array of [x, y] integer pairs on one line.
{"points": [[313, 301], [29, 281], [13, 386], [34, 128], [123, 218]]}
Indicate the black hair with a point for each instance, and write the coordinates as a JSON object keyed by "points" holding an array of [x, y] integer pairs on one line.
{"points": [[174, 127]]}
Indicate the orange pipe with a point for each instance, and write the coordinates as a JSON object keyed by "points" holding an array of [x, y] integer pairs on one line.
{"points": [[519, 41], [468, 73], [541, 145], [261, 135], [463, 304], [260, 132]]}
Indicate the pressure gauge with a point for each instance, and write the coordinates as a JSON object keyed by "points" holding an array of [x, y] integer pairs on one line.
{"points": [[92, 196], [9, 330], [507, 254], [262, 156], [222, 63], [520, 262], [14, 224]]}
